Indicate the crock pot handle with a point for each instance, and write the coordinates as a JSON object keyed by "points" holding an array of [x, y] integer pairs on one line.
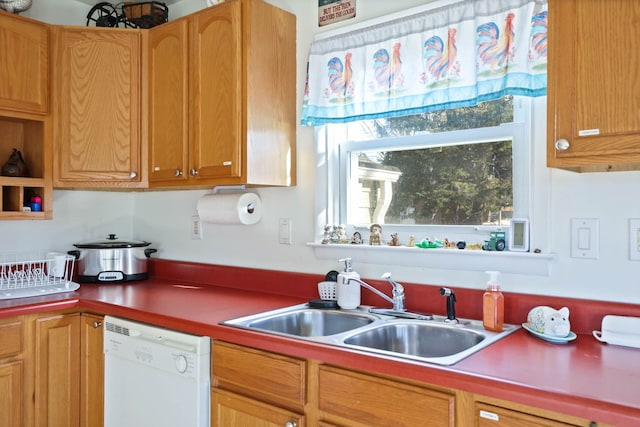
{"points": [[74, 253], [149, 251]]}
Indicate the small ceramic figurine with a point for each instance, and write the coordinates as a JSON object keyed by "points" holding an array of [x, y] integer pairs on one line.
{"points": [[334, 234], [342, 234], [356, 239], [549, 321], [394, 240], [328, 229], [412, 241], [375, 238], [15, 6]]}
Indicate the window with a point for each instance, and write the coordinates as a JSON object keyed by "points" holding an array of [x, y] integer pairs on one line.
{"points": [[439, 174]]}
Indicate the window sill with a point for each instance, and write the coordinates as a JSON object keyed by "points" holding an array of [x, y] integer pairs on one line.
{"points": [[447, 259]]}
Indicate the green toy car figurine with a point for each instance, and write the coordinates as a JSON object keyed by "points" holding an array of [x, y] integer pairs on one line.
{"points": [[496, 242]]}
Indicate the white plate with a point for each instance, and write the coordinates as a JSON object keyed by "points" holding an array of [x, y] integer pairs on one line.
{"points": [[555, 340]]}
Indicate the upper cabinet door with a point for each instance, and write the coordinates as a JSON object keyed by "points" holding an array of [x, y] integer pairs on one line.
{"points": [[169, 102], [593, 88], [97, 108], [216, 92], [24, 64]]}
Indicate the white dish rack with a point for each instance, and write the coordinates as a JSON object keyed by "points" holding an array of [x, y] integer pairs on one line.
{"points": [[32, 274]]}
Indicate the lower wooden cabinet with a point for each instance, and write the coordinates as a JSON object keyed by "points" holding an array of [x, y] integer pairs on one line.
{"points": [[91, 371], [12, 384], [258, 388], [57, 370], [230, 409], [489, 412], [51, 370], [356, 399], [254, 387]]}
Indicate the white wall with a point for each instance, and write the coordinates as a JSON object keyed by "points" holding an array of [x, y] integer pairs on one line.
{"points": [[164, 217]]}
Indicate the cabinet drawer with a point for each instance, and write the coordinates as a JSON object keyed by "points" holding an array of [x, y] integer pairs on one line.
{"points": [[10, 337], [371, 400], [495, 416], [262, 375], [229, 409]]}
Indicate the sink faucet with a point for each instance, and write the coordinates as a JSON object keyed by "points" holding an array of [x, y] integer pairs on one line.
{"points": [[397, 299], [398, 291], [451, 303]]}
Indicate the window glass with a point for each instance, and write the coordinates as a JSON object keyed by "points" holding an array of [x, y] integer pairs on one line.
{"points": [[446, 168]]}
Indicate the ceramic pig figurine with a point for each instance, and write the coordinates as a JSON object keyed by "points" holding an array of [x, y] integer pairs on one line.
{"points": [[549, 321]]}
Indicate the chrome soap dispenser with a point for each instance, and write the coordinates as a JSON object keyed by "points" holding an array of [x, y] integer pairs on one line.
{"points": [[348, 291]]}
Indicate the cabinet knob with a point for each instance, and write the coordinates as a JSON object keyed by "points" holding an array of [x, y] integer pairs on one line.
{"points": [[178, 172], [133, 174], [97, 324], [193, 172], [291, 424], [562, 144]]}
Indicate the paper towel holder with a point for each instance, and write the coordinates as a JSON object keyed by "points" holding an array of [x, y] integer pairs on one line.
{"points": [[218, 189], [229, 188]]}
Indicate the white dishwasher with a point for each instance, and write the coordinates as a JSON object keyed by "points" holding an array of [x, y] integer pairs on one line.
{"points": [[154, 377]]}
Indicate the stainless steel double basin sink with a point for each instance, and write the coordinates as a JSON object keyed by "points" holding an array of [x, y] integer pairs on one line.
{"points": [[432, 341]]}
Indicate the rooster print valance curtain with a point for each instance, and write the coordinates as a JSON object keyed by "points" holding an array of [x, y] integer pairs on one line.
{"points": [[449, 57]]}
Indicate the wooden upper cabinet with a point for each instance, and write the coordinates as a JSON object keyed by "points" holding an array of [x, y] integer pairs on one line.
{"points": [[97, 134], [593, 86], [240, 69], [269, 85], [216, 88], [169, 102], [24, 64]]}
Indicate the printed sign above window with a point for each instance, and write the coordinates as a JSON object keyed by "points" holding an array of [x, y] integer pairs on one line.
{"points": [[448, 57], [330, 11]]}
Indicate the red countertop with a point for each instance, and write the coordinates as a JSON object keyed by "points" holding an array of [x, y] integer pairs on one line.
{"points": [[584, 378]]}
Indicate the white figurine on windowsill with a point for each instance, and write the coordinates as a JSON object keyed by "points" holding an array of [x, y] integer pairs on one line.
{"points": [[15, 6]]}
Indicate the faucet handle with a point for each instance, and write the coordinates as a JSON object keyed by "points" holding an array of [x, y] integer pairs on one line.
{"points": [[397, 287]]}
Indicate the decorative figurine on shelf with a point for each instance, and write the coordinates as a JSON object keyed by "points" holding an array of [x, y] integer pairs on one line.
{"points": [[15, 6], [394, 240], [334, 234], [430, 244], [412, 241], [342, 234], [375, 238], [326, 239], [356, 239], [15, 165]]}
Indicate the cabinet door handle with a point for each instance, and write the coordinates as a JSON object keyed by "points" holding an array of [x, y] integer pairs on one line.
{"points": [[97, 324], [562, 144], [133, 174], [178, 172], [291, 424], [193, 172]]}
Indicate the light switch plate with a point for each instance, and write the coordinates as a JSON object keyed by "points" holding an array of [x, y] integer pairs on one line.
{"points": [[634, 239], [284, 231], [585, 238], [196, 228]]}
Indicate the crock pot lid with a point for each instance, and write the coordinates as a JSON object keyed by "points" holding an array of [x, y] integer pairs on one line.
{"points": [[112, 242]]}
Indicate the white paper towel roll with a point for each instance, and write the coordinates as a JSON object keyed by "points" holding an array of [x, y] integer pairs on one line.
{"points": [[236, 208]]}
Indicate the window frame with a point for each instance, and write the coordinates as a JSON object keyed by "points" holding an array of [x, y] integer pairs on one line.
{"points": [[338, 165]]}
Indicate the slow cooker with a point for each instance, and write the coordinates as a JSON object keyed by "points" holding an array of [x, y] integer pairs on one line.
{"points": [[112, 260]]}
